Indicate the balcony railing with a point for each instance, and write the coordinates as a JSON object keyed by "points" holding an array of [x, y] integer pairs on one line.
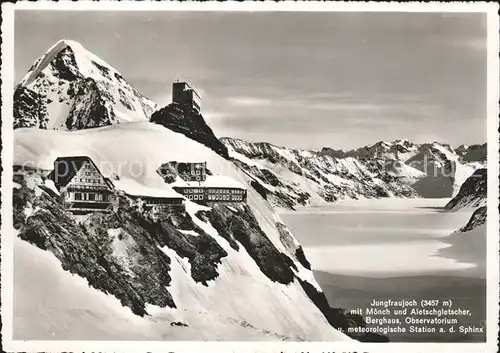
{"points": [[83, 204]]}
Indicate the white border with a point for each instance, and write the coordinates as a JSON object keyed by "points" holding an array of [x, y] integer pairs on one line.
{"points": [[311, 6], [493, 74]]}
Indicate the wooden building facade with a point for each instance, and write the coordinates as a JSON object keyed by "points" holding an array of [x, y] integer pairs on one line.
{"points": [[82, 187]]}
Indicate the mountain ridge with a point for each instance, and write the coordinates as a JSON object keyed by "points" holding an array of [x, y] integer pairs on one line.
{"points": [[294, 177]]}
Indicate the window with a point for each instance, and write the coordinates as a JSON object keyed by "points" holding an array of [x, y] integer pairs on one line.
{"points": [[190, 197], [78, 195], [91, 196], [201, 197], [196, 197]]}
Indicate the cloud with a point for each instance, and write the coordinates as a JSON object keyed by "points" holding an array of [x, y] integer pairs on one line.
{"points": [[216, 115], [359, 107], [249, 101]]}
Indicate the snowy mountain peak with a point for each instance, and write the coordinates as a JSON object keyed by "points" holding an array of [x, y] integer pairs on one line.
{"points": [[72, 53], [70, 88]]}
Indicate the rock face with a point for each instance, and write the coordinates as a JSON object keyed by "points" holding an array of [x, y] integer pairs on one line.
{"points": [[128, 254], [477, 219], [70, 88], [288, 177], [473, 152], [190, 123], [473, 193]]}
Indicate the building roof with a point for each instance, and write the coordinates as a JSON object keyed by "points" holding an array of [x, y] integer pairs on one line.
{"points": [[135, 189], [212, 181], [76, 163]]}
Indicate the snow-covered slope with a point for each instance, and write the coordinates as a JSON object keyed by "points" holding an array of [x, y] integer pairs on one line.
{"points": [[242, 289], [89, 314], [468, 244], [289, 177], [70, 88]]}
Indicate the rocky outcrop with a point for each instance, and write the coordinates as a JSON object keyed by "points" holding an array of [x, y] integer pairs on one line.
{"points": [[473, 152], [238, 225], [477, 219], [473, 193], [120, 252], [190, 123], [29, 111]]}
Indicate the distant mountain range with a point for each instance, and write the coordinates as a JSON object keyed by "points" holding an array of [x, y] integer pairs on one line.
{"points": [[290, 177]]}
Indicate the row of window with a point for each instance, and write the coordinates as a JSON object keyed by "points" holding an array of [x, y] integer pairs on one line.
{"points": [[225, 198], [88, 180], [193, 191], [90, 196], [219, 197], [213, 191], [216, 197], [225, 191], [237, 191]]}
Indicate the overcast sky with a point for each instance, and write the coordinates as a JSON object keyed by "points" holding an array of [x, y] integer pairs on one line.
{"points": [[305, 80]]}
